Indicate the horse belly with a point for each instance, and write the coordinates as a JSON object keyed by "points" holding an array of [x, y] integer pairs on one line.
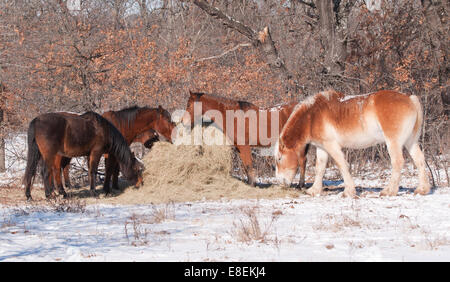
{"points": [[360, 140], [368, 134]]}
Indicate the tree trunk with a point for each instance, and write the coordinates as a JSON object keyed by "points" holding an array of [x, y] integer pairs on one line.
{"points": [[2, 140], [331, 38], [434, 12], [2, 155]]}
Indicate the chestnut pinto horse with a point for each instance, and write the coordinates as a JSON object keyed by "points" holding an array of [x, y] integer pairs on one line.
{"points": [[330, 121], [52, 136], [136, 124], [222, 105]]}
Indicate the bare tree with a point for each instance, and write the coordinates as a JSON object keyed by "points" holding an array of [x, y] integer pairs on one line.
{"points": [[261, 40]]}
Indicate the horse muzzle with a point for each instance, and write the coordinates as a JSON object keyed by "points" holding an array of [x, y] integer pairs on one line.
{"points": [[285, 179], [139, 182]]}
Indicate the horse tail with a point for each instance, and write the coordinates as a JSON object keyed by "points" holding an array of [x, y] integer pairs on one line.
{"points": [[419, 120], [33, 158]]}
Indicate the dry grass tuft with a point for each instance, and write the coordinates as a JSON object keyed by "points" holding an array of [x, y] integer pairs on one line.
{"points": [[166, 212], [71, 205], [248, 228]]}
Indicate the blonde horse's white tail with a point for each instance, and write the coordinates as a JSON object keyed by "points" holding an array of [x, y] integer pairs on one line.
{"points": [[419, 120]]}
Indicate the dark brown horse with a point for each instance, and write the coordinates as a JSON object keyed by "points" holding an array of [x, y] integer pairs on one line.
{"points": [[136, 124], [240, 130], [147, 138], [55, 135]]}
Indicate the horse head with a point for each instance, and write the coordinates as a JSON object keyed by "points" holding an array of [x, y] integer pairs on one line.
{"points": [[147, 138], [164, 125], [135, 174], [188, 118], [287, 162]]}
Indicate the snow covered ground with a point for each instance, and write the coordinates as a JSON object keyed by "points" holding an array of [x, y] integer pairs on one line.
{"points": [[326, 228], [15, 159]]}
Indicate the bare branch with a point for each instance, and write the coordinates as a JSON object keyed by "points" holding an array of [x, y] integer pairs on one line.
{"points": [[224, 53], [261, 40], [310, 4]]}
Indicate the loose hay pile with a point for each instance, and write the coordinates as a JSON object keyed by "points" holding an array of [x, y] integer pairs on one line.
{"points": [[182, 173]]}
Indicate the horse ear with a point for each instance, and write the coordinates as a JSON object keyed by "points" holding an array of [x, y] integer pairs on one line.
{"points": [[190, 92], [160, 109]]}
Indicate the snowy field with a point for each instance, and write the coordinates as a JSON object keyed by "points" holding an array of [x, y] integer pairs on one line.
{"points": [[325, 228]]}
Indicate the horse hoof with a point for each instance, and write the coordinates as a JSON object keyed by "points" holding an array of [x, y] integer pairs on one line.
{"points": [[384, 193], [50, 196], [313, 192], [94, 194], [29, 199], [349, 194], [422, 191]]}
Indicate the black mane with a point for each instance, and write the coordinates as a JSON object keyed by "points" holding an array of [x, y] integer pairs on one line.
{"points": [[128, 115], [244, 105], [118, 145]]}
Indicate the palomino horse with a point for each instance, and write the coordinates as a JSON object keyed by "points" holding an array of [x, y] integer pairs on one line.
{"points": [[136, 124], [330, 121], [56, 135], [223, 105]]}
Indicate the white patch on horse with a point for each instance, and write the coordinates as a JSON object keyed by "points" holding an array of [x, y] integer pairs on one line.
{"points": [[327, 94], [275, 108], [69, 112], [349, 97]]}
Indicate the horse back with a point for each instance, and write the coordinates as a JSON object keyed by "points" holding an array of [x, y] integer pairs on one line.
{"points": [[81, 132], [397, 113], [366, 120]]}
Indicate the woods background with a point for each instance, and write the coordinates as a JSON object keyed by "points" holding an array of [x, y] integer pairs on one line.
{"points": [[107, 54]]}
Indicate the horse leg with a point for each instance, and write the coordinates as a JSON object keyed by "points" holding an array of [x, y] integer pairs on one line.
{"points": [[94, 159], [48, 177], [336, 153], [321, 165], [302, 165], [419, 160], [397, 161], [109, 167], [245, 152], [65, 164], [57, 175], [115, 175]]}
